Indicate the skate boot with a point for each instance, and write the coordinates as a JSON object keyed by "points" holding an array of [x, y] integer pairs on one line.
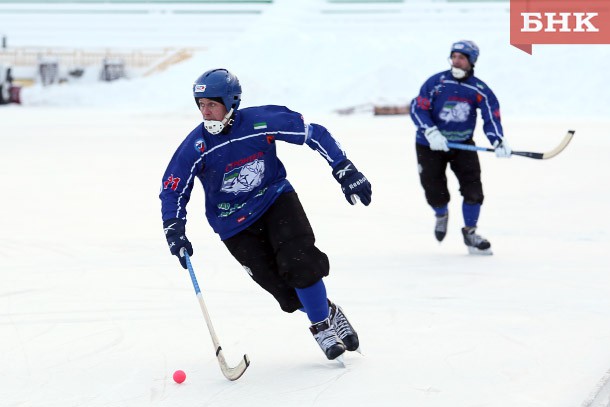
{"points": [[476, 244], [327, 338], [440, 229], [344, 329]]}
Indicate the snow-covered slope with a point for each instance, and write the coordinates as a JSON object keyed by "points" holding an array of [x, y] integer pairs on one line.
{"points": [[320, 56]]}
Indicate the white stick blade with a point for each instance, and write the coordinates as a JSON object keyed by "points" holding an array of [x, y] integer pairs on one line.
{"points": [[233, 373], [564, 143]]}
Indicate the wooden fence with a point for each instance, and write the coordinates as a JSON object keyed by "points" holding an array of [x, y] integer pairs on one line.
{"points": [[141, 58]]}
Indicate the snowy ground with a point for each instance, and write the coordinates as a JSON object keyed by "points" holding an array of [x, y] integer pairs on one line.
{"points": [[94, 311]]}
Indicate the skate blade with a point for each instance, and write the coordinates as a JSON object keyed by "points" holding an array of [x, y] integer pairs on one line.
{"points": [[479, 252], [340, 361]]}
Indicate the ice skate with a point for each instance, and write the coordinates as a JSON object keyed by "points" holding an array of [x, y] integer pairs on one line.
{"points": [[440, 229], [344, 329], [476, 244], [326, 336]]}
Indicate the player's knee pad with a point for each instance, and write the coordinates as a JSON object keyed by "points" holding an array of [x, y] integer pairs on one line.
{"points": [[437, 200], [473, 194], [436, 193], [301, 263], [474, 200]]}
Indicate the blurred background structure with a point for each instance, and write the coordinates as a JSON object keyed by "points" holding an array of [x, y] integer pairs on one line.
{"points": [[59, 41]]}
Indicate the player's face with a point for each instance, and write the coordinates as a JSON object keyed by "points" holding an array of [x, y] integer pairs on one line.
{"points": [[459, 60], [212, 110]]}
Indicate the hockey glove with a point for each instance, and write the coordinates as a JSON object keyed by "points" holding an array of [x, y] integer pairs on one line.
{"points": [[502, 149], [176, 238], [353, 183], [437, 141]]}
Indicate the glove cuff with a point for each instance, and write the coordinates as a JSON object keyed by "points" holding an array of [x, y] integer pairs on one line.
{"points": [[174, 226], [430, 130], [497, 142], [343, 170]]}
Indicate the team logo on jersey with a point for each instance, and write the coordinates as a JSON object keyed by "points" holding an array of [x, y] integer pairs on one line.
{"points": [[200, 145], [171, 182], [244, 178], [200, 88], [455, 112], [423, 103]]}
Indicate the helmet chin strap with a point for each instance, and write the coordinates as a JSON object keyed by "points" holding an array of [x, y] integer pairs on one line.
{"points": [[458, 73], [216, 126]]}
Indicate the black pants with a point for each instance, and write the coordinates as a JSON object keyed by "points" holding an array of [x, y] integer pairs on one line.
{"points": [[279, 252], [465, 165]]}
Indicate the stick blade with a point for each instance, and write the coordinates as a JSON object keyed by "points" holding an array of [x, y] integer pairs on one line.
{"points": [[233, 373], [564, 143]]}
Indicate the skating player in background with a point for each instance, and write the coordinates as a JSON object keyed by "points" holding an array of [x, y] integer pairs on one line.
{"points": [[446, 110]]}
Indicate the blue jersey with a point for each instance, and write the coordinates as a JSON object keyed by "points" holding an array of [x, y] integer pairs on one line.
{"points": [[240, 171], [451, 105]]}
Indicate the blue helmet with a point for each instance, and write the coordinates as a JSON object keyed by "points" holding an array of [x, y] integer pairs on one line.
{"points": [[468, 48], [218, 83]]}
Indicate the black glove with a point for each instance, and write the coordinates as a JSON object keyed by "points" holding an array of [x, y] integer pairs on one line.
{"points": [[176, 238], [353, 183]]}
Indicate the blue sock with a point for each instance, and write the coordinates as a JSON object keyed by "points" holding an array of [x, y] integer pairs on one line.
{"points": [[471, 214], [440, 210], [314, 301]]}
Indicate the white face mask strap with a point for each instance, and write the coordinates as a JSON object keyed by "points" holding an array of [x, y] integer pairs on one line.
{"points": [[227, 119]]}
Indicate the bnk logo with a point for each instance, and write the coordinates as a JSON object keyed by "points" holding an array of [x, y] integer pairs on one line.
{"points": [[564, 22], [559, 22]]}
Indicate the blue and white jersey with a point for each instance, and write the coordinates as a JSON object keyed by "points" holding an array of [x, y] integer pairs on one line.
{"points": [[451, 105], [240, 171]]}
